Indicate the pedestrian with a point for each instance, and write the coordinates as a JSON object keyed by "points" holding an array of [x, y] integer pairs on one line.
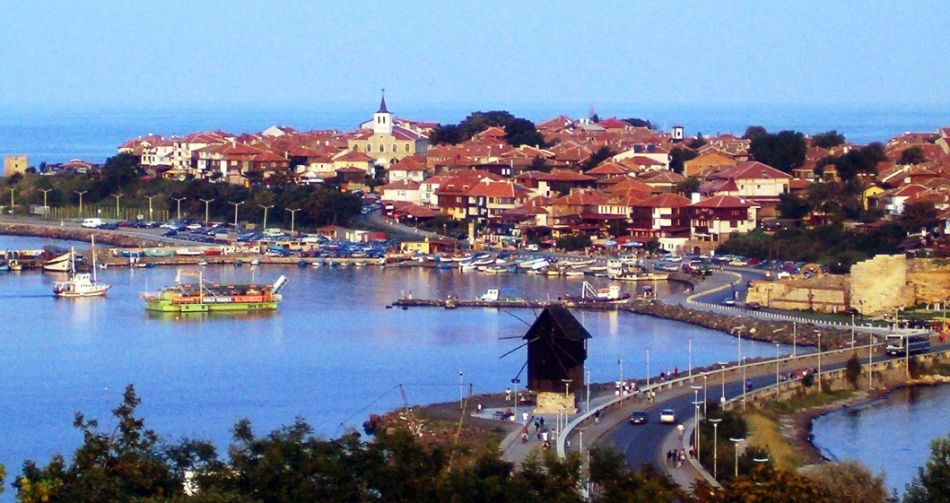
{"points": [[544, 435], [524, 437], [507, 394], [679, 431], [669, 457], [597, 416], [478, 408], [524, 418], [542, 422]]}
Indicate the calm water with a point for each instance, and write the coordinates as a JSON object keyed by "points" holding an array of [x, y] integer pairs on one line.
{"points": [[333, 354], [57, 134], [890, 436]]}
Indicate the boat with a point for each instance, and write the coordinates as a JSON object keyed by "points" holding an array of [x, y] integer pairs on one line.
{"points": [[621, 270], [206, 297], [59, 263], [610, 294], [159, 252], [81, 284], [15, 265], [187, 252], [5, 267]]}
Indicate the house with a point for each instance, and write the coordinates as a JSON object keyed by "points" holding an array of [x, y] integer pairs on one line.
{"points": [[710, 162], [489, 198], [663, 181], [661, 217], [401, 191], [654, 156], [715, 218], [355, 160], [408, 168], [451, 196]]}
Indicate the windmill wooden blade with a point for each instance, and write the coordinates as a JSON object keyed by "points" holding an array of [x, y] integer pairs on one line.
{"points": [[519, 347], [522, 369], [509, 313]]}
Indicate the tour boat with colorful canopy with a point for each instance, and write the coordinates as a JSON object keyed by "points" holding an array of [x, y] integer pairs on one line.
{"points": [[207, 297]]}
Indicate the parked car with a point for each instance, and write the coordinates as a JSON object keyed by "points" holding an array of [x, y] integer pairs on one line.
{"points": [[728, 301], [667, 416], [753, 306], [638, 417]]}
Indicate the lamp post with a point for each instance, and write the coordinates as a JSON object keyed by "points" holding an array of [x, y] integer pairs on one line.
{"points": [[117, 212], [852, 333], [12, 205], [620, 363], [293, 214], [777, 362], [461, 392], [722, 367], [715, 422], [705, 389], [737, 441], [150, 206], [696, 417], [794, 338], [264, 225], [587, 407], [207, 202], [870, 361], [80, 192], [819, 360], [515, 382], [689, 352], [179, 200], [744, 386], [45, 207], [236, 212], [648, 366]]}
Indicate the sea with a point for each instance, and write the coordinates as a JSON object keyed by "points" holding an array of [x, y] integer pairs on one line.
{"points": [[332, 354], [59, 133]]}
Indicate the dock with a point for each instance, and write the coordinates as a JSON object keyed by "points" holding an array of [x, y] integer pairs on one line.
{"points": [[453, 303]]}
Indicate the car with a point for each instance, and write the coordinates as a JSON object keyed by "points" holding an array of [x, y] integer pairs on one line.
{"points": [[638, 417], [170, 233], [667, 416], [783, 275], [193, 226], [728, 301], [170, 225], [753, 306]]}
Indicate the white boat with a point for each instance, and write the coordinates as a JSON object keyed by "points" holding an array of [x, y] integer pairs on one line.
{"points": [[15, 265], [188, 252], [81, 284], [59, 263]]}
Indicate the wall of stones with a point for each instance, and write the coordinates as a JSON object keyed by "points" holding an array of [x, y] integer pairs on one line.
{"points": [[880, 285]]}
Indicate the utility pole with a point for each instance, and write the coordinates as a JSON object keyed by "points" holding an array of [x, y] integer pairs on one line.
{"points": [[236, 213], [80, 192], [179, 200], [117, 196], [150, 206], [206, 201], [45, 207], [293, 214]]}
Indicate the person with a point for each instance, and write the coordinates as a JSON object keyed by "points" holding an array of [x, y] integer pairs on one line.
{"points": [[597, 416], [507, 394], [679, 431], [524, 417], [524, 436], [669, 457], [478, 408]]}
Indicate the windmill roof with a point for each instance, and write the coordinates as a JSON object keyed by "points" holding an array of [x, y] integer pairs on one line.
{"points": [[563, 320]]}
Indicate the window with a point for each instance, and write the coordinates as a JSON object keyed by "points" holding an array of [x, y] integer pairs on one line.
{"points": [[382, 149], [407, 147], [394, 148]]}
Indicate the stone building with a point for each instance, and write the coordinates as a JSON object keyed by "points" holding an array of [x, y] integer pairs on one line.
{"points": [[13, 164]]}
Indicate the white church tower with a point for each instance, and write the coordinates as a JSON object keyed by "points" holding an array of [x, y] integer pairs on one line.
{"points": [[382, 119]]}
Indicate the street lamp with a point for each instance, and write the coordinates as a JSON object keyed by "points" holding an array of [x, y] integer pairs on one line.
{"points": [[776, 370], [515, 381], [737, 441], [722, 367], [620, 363], [80, 192], [696, 417], [461, 392], [852, 333], [45, 207], [12, 206], [819, 360], [117, 196], [207, 202], [648, 366], [870, 360], [587, 408], [705, 388], [715, 422], [150, 206], [179, 200], [236, 212], [293, 214], [264, 226], [744, 386], [689, 352], [794, 338]]}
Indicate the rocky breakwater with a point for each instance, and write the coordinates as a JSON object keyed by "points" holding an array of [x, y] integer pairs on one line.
{"points": [[74, 234], [785, 332]]}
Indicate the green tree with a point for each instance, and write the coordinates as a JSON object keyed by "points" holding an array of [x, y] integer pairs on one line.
{"points": [[912, 155], [122, 465], [573, 243], [688, 186], [932, 483], [678, 158], [849, 482], [697, 142], [793, 206], [753, 132], [852, 370], [540, 164], [828, 139], [597, 157], [522, 132], [917, 216], [783, 151], [635, 122]]}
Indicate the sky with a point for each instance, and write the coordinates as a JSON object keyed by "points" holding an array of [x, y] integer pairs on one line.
{"points": [[481, 52]]}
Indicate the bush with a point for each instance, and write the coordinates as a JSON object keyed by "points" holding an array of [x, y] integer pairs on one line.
{"points": [[852, 371]]}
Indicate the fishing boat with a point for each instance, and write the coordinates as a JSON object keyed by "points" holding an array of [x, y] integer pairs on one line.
{"points": [[159, 252], [624, 271], [81, 284], [610, 294], [206, 297], [59, 263], [15, 265]]}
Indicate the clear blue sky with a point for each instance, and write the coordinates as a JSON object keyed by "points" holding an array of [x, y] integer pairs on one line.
{"points": [[807, 52]]}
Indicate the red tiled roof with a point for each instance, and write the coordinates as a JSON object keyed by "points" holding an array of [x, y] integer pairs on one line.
{"points": [[490, 188], [722, 202], [751, 170], [664, 201], [565, 176]]}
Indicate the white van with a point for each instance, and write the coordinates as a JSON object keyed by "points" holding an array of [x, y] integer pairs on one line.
{"points": [[91, 222], [273, 232]]}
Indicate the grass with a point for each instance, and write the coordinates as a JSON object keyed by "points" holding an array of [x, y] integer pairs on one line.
{"points": [[766, 434], [775, 410]]}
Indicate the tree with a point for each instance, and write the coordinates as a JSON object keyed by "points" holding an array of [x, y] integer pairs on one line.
{"points": [[597, 157], [688, 186], [849, 482], [539, 163], [753, 132], [109, 466], [783, 151], [522, 132], [793, 206], [573, 243], [932, 483], [827, 139], [118, 171], [852, 370], [449, 134], [917, 216], [912, 155], [697, 142], [635, 122], [678, 158]]}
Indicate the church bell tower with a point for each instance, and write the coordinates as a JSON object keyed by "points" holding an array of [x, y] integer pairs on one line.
{"points": [[382, 119]]}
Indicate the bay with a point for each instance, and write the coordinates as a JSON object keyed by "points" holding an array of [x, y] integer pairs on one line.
{"points": [[332, 354], [890, 436]]}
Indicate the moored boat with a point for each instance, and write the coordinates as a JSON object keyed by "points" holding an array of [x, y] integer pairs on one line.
{"points": [[81, 284], [207, 297], [59, 263]]}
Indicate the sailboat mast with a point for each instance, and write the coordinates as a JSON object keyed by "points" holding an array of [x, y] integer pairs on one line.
{"points": [[92, 250]]}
